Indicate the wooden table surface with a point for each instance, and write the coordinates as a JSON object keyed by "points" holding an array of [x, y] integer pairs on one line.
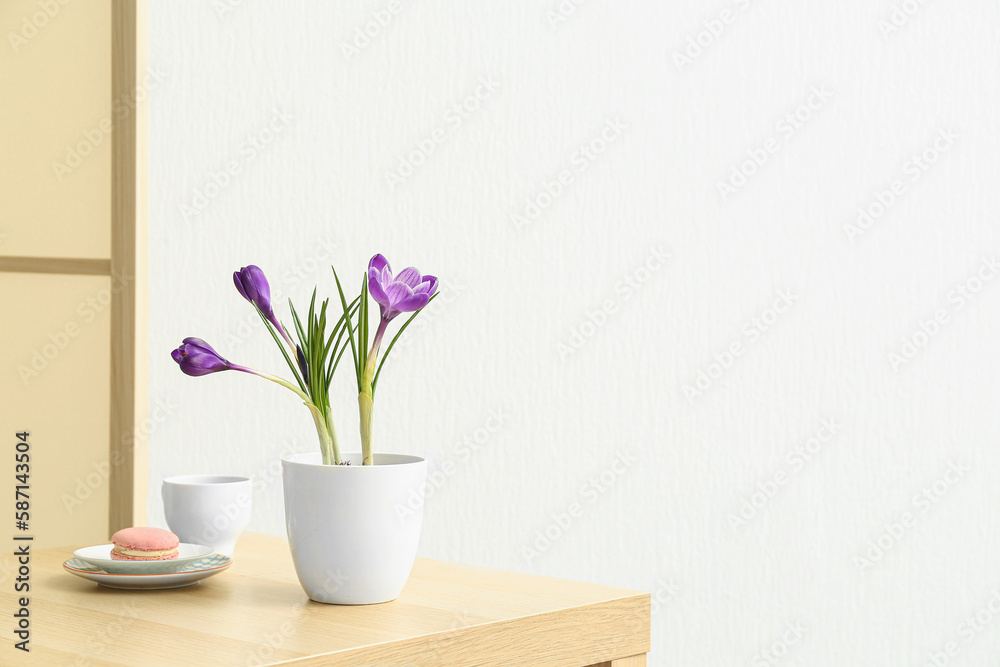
{"points": [[256, 613]]}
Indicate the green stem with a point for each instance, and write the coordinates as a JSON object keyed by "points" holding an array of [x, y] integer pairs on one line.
{"points": [[365, 408], [366, 399], [373, 353], [325, 439], [334, 443], [272, 378]]}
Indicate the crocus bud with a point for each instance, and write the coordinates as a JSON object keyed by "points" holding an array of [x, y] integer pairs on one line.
{"points": [[196, 357], [303, 366], [252, 284]]}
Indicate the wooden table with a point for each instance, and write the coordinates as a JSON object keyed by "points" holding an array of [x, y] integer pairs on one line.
{"points": [[256, 613]]}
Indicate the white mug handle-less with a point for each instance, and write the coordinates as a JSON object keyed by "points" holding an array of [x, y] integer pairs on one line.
{"points": [[211, 510]]}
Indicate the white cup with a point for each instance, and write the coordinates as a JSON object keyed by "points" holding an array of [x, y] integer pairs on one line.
{"points": [[211, 510]]}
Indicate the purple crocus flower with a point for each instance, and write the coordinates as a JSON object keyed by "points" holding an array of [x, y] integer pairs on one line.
{"points": [[196, 357], [403, 292], [252, 285]]}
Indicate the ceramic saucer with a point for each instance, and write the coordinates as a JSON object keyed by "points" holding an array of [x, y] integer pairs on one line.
{"points": [[183, 574], [100, 556]]}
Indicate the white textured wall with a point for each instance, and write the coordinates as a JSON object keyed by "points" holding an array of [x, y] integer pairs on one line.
{"points": [[315, 190]]}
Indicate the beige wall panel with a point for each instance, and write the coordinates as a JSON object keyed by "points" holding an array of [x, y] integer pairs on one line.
{"points": [[55, 356], [56, 109]]}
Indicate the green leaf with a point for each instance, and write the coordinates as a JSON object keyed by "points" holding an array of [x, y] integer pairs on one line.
{"points": [[333, 339], [316, 344], [320, 341], [298, 325], [326, 349], [338, 328], [281, 346], [395, 338], [363, 322], [312, 309], [337, 336], [335, 363], [350, 330]]}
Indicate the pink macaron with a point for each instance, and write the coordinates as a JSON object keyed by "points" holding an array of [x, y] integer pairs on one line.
{"points": [[144, 544]]}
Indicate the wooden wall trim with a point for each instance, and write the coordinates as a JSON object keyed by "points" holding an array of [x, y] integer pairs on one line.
{"points": [[127, 502], [63, 265]]}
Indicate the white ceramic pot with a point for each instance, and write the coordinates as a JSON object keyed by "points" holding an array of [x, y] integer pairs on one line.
{"points": [[353, 529]]}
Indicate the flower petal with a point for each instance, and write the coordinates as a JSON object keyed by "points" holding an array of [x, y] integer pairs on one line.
{"points": [[379, 263], [204, 361], [196, 357], [239, 285], [397, 292], [409, 277], [375, 288], [255, 284], [411, 303], [428, 285], [196, 370], [199, 343]]}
